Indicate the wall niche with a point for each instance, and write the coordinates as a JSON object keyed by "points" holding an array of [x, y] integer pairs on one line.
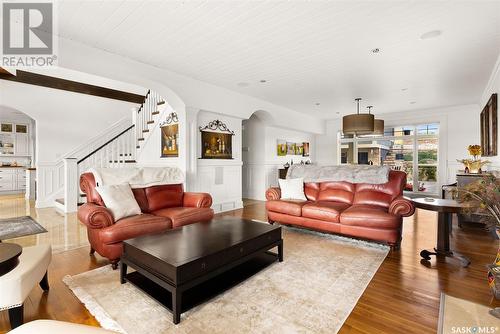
{"points": [[216, 141]]}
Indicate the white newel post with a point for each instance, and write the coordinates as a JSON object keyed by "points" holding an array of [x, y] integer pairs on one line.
{"points": [[70, 184], [136, 127]]}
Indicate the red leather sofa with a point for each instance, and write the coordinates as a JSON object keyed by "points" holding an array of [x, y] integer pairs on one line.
{"points": [[367, 211], [164, 207]]}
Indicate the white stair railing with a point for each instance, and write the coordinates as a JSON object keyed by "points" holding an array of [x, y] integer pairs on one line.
{"points": [[118, 152]]}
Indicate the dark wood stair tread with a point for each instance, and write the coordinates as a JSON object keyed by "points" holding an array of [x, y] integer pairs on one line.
{"points": [[140, 139], [125, 161], [150, 122], [155, 113], [147, 130], [160, 103]]}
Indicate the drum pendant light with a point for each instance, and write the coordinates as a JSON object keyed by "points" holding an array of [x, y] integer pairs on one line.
{"points": [[378, 126], [358, 123]]}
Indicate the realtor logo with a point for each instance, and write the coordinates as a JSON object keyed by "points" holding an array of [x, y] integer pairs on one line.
{"points": [[28, 34]]}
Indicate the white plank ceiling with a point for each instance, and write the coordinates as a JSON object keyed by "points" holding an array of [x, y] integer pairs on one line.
{"points": [[308, 52]]}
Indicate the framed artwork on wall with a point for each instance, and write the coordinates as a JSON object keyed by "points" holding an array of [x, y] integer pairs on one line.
{"points": [[299, 148], [489, 128], [305, 152], [290, 148], [170, 141], [281, 148]]}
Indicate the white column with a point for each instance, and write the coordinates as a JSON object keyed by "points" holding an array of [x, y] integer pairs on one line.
{"points": [[30, 184], [70, 184]]}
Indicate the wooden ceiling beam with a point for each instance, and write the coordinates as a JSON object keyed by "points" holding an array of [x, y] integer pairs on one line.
{"points": [[70, 86]]}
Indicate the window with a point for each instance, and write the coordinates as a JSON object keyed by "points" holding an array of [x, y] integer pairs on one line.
{"points": [[410, 148]]}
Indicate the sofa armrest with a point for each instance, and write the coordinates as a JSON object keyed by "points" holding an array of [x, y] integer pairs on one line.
{"points": [[402, 206], [273, 194], [197, 200], [95, 216]]}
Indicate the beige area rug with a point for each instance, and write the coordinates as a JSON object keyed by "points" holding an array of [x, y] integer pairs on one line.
{"points": [[312, 291], [462, 316]]}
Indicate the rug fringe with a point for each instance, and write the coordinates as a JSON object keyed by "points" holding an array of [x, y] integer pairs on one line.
{"points": [[104, 319]]}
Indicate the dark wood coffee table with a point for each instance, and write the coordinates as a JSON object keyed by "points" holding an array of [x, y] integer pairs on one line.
{"points": [[445, 208], [183, 258]]}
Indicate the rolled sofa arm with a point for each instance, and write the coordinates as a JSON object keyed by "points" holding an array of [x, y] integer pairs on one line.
{"points": [[402, 207], [197, 200], [273, 194], [95, 216]]}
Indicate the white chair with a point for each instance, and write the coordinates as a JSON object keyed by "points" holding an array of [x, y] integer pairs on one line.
{"points": [[57, 327], [16, 285]]}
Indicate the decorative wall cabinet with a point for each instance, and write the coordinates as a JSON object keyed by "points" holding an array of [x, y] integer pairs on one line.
{"points": [[216, 141], [14, 139]]}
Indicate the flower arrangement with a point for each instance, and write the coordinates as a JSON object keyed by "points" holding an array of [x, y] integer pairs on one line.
{"points": [[474, 150], [475, 164]]}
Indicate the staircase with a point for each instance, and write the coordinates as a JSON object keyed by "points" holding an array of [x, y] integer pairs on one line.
{"points": [[120, 151]]}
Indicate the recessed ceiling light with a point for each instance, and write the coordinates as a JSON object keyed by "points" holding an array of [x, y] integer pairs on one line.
{"points": [[338, 113], [404, 89], [431, 34], [243, 84], [317, 103], [413, 102], [376, 50], [263, 81]]}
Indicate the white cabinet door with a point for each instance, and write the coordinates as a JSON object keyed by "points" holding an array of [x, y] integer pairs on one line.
{"points": [[21, 146]]}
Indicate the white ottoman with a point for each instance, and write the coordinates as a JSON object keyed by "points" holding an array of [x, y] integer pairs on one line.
{"points": [[57, 327], [16, 285]]}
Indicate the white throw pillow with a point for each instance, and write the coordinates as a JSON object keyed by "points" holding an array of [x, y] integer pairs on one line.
{"points": [[292, 189], [120, 200]]}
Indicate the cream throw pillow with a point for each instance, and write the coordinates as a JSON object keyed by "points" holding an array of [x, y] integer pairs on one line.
{"points": [[292, 189], [120, 200]]}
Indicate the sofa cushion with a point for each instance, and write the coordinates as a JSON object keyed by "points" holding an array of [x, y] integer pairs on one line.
{"points": [[165, 196], [369, 216], [336, 192], [324, 210], [120, 200], [134, 226], [289, 207], [181, 216]]}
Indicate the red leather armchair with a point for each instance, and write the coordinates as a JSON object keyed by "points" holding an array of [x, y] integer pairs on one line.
{"points": [[164, 207], [368, 211]]}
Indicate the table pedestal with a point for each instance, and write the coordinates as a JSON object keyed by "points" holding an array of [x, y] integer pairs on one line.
{"points": [[443, 241]]}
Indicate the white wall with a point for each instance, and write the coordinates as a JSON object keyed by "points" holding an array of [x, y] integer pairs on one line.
{"points": [[493, 86], [260, 158], [459, 128]]}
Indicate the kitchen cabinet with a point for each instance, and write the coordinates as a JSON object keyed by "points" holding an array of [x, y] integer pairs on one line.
{"points": [[12, 180], [14, 143], [22, 144]]}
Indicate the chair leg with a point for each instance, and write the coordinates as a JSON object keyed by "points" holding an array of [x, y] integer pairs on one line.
{"points": [[44, 283], [92, 251], [16, 316]]}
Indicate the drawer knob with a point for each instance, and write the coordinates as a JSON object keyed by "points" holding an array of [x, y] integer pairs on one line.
{"points": [[203, 265], [241, 249]]}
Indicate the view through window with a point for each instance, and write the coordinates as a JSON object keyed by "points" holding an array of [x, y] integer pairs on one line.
{"points": [[412, 149]]}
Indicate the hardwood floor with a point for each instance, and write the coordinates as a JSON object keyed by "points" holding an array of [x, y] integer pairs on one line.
{"points": [[403, 297]]}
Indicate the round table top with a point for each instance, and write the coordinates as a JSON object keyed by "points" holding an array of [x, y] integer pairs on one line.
{"points": [[9, 251], [438, 204]]}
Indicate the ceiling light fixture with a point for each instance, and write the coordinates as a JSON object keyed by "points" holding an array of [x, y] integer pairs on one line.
{"points": [[378, 124], [263, 81], [376, 50], [358, 123], [413, 102], [431, 34], [317, 103], [404, 89]]}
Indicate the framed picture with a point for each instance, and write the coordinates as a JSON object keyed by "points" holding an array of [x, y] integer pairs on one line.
{"points": [[216, 145], [299, 149], [281, 148], [489, 128], [21, 128], [290, 148], [170, 141], [305, 152]]}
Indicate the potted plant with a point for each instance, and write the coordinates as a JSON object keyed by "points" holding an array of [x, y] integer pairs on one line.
{"points": [[484, 196]]}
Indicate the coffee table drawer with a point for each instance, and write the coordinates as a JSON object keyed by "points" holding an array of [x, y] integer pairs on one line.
{"points": [[201, 266]]}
